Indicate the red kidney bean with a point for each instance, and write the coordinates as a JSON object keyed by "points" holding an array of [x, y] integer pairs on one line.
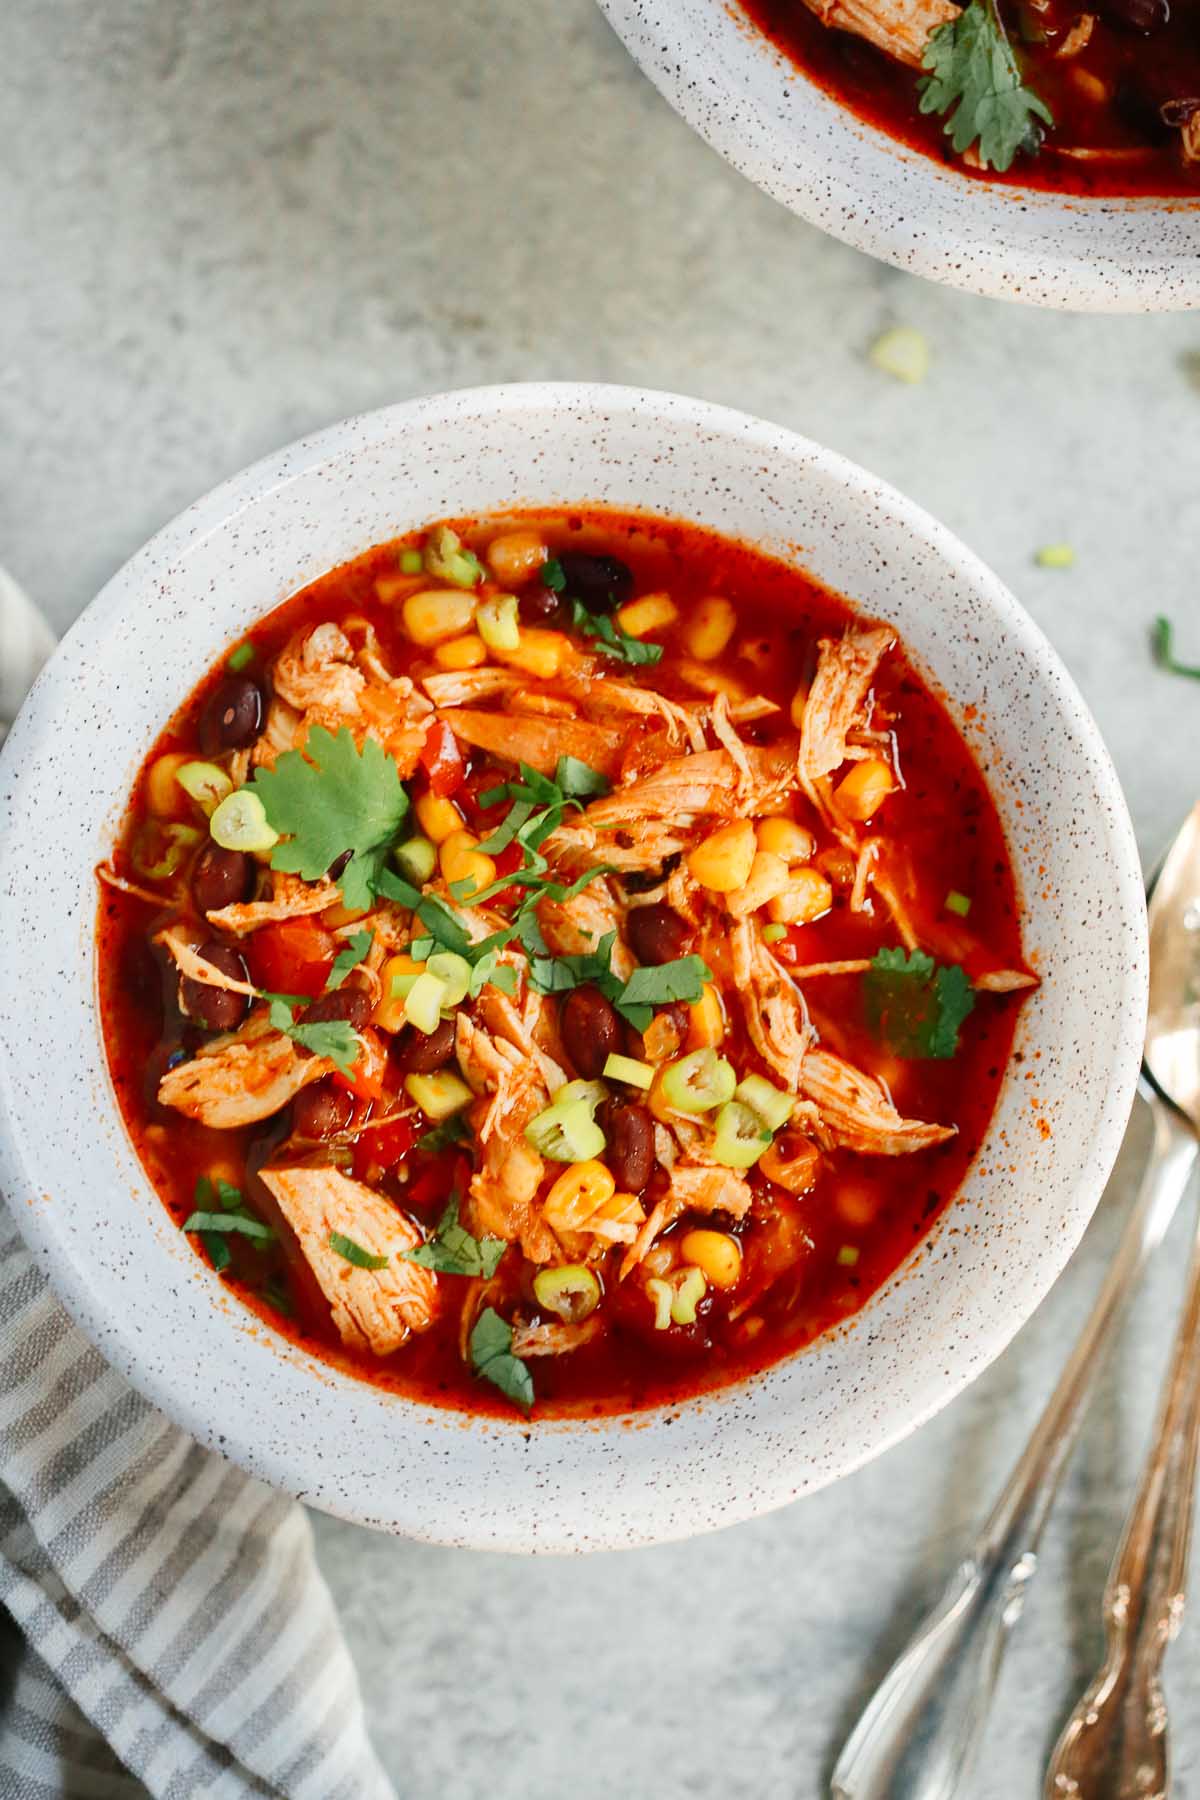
{"points": [[421, 1053], [656, 933], [591, 1030], [601, 582], [221, 878], [629, 1130], [539, 605], [217, 1009], [348, 1003], [233, 716], [322, 1110]]}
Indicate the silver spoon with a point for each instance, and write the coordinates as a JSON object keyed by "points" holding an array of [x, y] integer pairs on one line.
{"points": [[1115, 1745], [921, 1731]]}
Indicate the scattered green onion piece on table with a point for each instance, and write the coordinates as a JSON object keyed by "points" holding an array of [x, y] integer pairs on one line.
{"points": [[698, 1082], [629, 1070], [241, 658], [204, 782], [959, 904], [1164, 633], [240, 823], [740, 1137], [566, 1132], [902, 353], [1055, 556], [439, 1096], [354, 1253], [772, 1105], [411, 562]]}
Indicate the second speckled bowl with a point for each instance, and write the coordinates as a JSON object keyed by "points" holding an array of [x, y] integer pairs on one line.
{"points": [[157, 1311]]}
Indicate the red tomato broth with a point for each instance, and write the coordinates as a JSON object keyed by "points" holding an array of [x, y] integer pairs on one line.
{"points": [[1136, 74], [879, 1207]]}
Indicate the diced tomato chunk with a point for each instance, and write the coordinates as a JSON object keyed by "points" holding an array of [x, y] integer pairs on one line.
{"points": [[442, 760], [367, 1076], [291, 957], [484, 781], [384, 1148]]}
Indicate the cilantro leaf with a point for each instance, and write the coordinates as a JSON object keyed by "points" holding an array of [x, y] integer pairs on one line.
{"points": [[491, 1354], [239, 1222], [554, 575], [1164, 654], [438, 919], [356, 951], [453, 1130], [453, 1251], [915, 1006], [577, 779], [354, 1253], [974, 79], [332, 1038], [610, 640], [682, 979], [330, 798]]}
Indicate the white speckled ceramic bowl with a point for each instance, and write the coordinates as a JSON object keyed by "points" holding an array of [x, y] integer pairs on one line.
{"points": [[778, 127], [131, 1278]]}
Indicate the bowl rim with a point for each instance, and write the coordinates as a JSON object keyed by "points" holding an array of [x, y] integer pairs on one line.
{"points": [[43, 1225], [1036, 250]]}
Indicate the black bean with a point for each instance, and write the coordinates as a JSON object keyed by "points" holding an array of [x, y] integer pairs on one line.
{"points": [[601, 582], [322, 1110], [217, 1009], [630, 1150], [656, 933], [423, 1052], [221, 878], [348, 1003], [1140, 17], [540, 605], [233, 716], [591, 1030], [1140, 105]]}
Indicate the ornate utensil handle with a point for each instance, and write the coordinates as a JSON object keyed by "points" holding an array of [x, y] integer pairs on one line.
{"points": [[920, 1733]]}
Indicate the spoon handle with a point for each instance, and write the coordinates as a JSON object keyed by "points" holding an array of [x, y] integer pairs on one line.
{"points": [[1114, 1746], [919, 1734]]}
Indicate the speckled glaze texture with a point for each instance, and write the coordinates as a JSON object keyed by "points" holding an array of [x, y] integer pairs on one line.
{"points": [[775, 125], [160, 1315]]}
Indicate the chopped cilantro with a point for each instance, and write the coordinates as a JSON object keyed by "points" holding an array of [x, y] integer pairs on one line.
{"points": [[277, 1297], [491, 1354], [610, 640], [453, 1130], [634, 999], [682, 979], [331, 798], [554, 576], [975, 82], [453, 1251], [354, 1253], [356, 951], [239, 658], [439, 920], [578, 780], [1164, 633], [238, 1222], [914, 1005], [332, 1038]]}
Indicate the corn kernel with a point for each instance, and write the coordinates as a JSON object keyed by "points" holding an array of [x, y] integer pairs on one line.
{"points": [[709, 629], [164, 796], [435, 614], [653, 612], [807, 896], [661, 1038], [579, 1191], [461, 652], [759, 652], [515, 556], [389, 1014], [335, 916], [784, 838], [437, 816], [706, 1020], [799, 702], [724, 860], [390, 588], [459, 860], [539, 653], [715, 1253], [863, 791]]}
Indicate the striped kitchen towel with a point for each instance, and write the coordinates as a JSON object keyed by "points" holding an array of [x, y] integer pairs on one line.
{"points": [[164, 1629]]}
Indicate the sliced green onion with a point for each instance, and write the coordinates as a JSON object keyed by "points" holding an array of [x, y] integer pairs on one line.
{"points": [[847, 1256], [439, 1096], [592, 1093], [740, 1137], [416, 859], [698, 1081], [496, 623], [454, 973], [772, 1105], [774, 934], [690, 1290], [958, 903], [411, 562], [204, 782], [238, 659], [1055, 556], [629, 1070], [662, 1294], [159, 850], [424, 1002], [240, 823], [565, 1132], [571, 1292], [354, 1253], [446, 558]]}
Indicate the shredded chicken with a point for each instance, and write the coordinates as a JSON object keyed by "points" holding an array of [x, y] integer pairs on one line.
{"points": [[837, 702], [466, 686], [900, 28], [240, 1078], [727, 737], [1004, 981], [575, 927], [1079, 36], [695, 1185], [320, 679], [688, 787], [631, 850], [856, 1112], [537, 741], [775, 1013], [500, 1199], [372, 1309], [193, 966], [608, 699], [1190, 137], [291, 898], [108, 875], [554, 1340]]}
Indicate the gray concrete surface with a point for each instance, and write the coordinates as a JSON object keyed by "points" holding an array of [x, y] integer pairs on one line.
{"points": [[223, 224]]}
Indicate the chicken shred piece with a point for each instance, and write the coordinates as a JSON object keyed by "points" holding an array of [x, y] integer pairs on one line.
{"points": [[535, 740], [1005, 981], [105, 873], [553, 1340], [318, 680], [837, 700], [373, 1309], [1190, 138], [900, 28], [606, 699], [575, 927], [579, 847], [774, 1009], [315, 672], [500, 1199], [856, 1112], [687, 787], [727, 737], [465, 686], [694, 1185], [291, 898], [192, 965], [1078, 38], [240, 1078]]}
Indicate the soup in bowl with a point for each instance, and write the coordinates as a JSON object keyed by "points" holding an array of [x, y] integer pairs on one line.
{"points": [[587, 975]]}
